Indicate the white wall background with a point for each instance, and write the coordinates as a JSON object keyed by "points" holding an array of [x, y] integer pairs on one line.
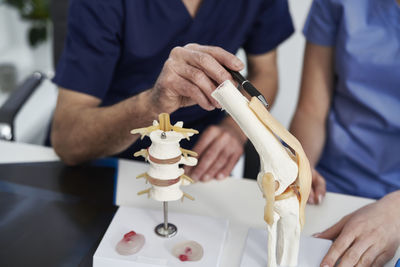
{"points": [[14, 45], [14, 48], [290, 61]]}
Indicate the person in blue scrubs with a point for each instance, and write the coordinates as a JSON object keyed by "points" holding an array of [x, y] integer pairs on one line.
{"points": [[348, 120], [126, 61]]}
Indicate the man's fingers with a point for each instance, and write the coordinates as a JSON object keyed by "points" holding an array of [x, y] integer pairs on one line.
{"points": [[210, 156], [201, 66], [354, 253], [188, 170], [218, 164], [199, 78], [204, 62], [206, 139], [185, 89], [230, 155], [339, 246], [333, 231], [224, 57], [210, 66], [319, 186], [192, 95], [311, 197], [227, 169]]}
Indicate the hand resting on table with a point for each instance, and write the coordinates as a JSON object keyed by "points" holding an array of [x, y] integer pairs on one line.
{"points": [[367, 237]]}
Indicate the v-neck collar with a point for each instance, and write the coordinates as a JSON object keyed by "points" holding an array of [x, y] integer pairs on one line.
{"points": [[199, 13]]}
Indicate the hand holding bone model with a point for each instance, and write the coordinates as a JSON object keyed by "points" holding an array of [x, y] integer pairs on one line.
{"points": [[165, 155], [189, 76], [285, 176]]}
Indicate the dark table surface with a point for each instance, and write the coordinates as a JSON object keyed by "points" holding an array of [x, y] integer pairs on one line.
{"points": [[54, 215]]}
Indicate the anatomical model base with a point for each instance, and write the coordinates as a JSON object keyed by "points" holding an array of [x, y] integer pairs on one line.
{"points": [[285, 175], [158, 251]]}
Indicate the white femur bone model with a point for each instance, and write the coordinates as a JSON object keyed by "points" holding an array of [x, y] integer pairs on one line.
{"points": [[165, 155], [285, 175]]}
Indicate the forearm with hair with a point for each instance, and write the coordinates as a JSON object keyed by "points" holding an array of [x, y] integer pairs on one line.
{"points": [[81, 133]]}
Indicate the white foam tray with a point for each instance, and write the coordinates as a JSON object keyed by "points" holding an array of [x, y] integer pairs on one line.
{"points": [[209, 232]]}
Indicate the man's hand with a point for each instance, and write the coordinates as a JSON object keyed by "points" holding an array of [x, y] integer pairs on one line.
{"points": [[219, 148], [367, 237], [318, 188], [190, 75]]}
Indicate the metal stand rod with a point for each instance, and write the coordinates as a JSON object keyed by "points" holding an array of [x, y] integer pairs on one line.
{"points": [[166, 229], [165, 215]]}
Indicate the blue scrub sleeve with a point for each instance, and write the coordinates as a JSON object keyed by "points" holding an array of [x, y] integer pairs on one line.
{"points": [[92, 47], [321, 24], [272, 26]]}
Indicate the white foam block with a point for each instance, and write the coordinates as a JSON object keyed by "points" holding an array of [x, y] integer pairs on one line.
{"points": [[312, 250], [209, 232]]}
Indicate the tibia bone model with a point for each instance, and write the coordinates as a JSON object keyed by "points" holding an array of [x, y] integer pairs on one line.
{"points": [[285, 175], [165, 155]]}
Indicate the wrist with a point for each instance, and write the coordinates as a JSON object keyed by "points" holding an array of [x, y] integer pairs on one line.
{"points": [[142, 107], [152, 102], [160, 101]]}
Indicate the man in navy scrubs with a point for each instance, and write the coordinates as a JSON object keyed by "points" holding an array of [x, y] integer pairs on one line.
{"points": [[126, 61]]}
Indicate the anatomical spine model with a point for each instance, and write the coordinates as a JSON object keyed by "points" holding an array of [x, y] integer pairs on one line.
{"points": [[285, 175], [164, 174], [165, 155]]}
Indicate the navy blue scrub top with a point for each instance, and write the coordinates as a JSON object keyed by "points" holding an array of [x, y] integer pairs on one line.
{"points": [[116, 49]]}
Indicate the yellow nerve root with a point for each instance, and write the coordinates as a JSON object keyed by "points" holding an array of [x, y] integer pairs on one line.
{"points": [[145, 131], [268, 184], [146, 191], [143, 152], [165, 126], [187, 152], [143, 175], [186, 136], [187, 196], [184, 130], [185, 177]]}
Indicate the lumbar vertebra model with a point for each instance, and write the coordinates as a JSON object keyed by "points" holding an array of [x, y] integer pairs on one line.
{"points": [[165, 155], [285, 175]]}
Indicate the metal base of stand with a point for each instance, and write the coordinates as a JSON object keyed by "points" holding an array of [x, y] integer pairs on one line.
{"points": [[170, 231]]}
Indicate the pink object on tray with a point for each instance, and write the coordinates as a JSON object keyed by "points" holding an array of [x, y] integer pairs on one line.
{"points": [[130, 244], [188, 251]]}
